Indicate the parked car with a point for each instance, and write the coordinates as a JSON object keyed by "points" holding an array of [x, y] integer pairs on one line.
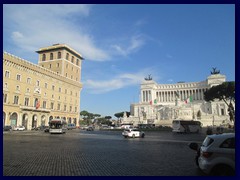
{"points": [[7, 128], [46, 129], [71, 126], [133, 133], [19, 128], [90, 128], [41, 128], [216, 155]]}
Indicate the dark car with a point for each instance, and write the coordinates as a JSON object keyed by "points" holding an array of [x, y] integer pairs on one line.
{"points": [[46, 129], [41, 128], [90, 128], [7, 128]]}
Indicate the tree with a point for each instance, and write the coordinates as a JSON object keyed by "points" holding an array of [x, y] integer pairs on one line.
{"points": [[224, 92], [84, 114], [120, 114], [108, 117]]}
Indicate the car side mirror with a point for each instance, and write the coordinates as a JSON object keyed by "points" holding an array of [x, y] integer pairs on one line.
{"points": [[193, 146]]}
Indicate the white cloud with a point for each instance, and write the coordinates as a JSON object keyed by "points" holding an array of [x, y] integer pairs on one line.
{"points": [[135, 43], [120, 81], [42, 25], [16, 35]]}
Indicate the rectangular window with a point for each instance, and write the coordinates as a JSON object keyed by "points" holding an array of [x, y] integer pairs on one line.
{"points": [[222, 112], [59, 89], [53, 87], [70, 108], [58, 106], [26, 102], [44, 104], [52, 105], [65, 107], [7, 74], [18, 77], [29, 80], [15, 101], [38, 83], [5, 85], [5, 98]]}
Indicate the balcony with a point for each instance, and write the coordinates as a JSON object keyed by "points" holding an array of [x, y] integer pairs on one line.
{"points": [[33, 108]]}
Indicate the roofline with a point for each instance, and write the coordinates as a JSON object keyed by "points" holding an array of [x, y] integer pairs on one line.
{"points": [[60, 46]]}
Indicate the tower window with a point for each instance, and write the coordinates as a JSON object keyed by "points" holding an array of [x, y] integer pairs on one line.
{"points": [[51, 56], [44, 57], [59, 55]]}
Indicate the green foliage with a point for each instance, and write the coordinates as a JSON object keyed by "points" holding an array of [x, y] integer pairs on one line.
{"points": [[88, 117], [108, 117], [224, 92], [104, 121], [120, 114]]}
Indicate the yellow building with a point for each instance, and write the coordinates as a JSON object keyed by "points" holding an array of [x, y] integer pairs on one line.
{"points": [[34, 94]]}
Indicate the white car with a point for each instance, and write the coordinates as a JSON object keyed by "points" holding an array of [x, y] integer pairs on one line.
{"points": [[216, 155], [19, 128], [133, 133]]}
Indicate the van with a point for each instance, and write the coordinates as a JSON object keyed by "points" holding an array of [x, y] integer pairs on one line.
{"points": [[71, 126]]}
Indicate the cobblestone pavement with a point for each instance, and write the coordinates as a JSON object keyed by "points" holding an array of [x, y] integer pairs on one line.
{"points": [[98, 153]]}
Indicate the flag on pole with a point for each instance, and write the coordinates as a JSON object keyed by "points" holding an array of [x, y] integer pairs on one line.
{"points": [[155, 101], [188, 100], [37, 104]]}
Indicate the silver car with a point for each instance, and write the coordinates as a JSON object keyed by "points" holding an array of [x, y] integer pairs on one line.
{"points": [[216, 155]]}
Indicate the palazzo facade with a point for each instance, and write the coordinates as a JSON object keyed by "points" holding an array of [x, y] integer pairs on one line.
{"points": [[159, 104], [34, 94]]}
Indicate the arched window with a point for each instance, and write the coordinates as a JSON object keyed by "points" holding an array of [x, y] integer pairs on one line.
{"points": [[72, 59], [67, 55], [44, 57], [59, 55], [77, 62], [51, 56]]}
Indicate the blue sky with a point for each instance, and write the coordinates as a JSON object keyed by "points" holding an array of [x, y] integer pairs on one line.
{"points": [[122, 44]]}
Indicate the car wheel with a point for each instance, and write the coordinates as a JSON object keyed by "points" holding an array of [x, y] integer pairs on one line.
{"points": [[143, 135], [133, 136]]}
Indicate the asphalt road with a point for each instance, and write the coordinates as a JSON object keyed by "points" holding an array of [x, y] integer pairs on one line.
{"points": [[98, 153]]}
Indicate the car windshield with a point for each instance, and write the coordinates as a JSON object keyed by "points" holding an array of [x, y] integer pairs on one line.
{"points": [[207, 141]]}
